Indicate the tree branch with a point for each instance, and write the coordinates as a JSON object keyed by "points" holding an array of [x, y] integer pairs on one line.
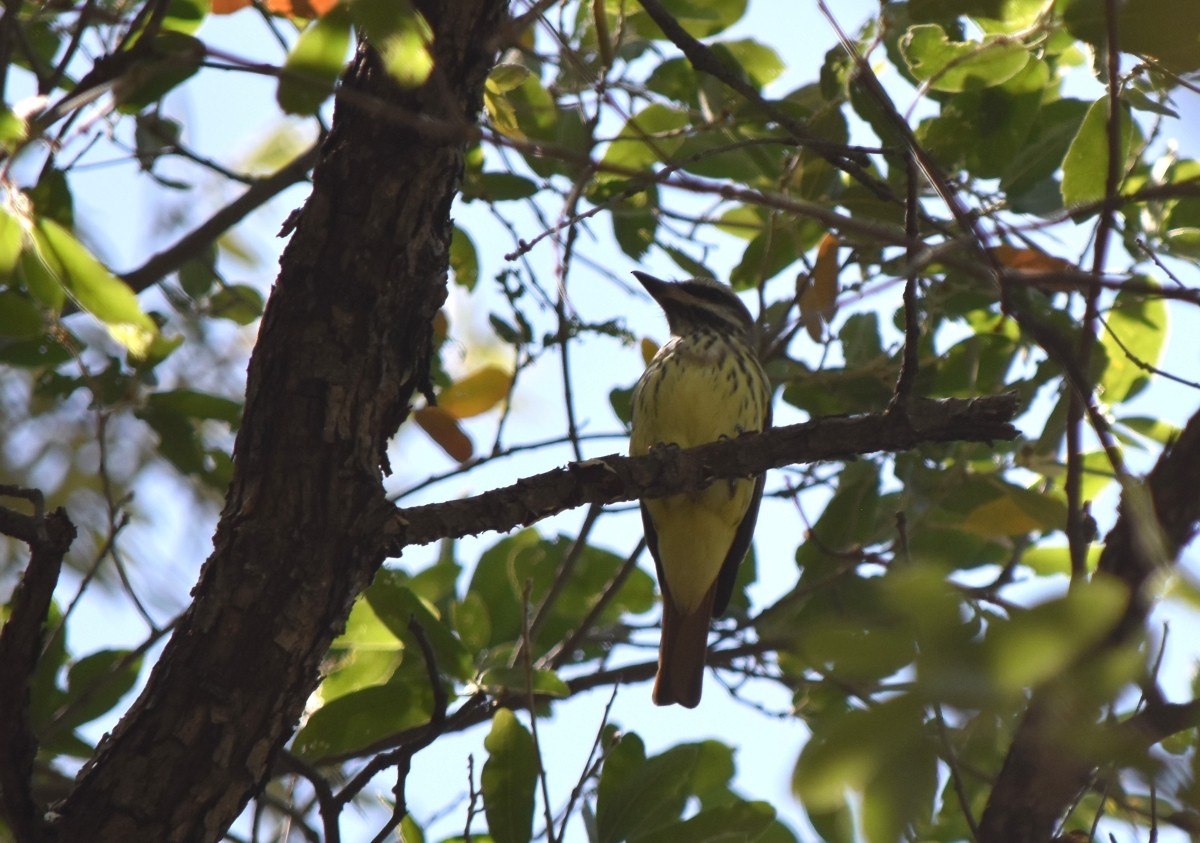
{"points": [[668, 471], [21, 642], [195, 241]]}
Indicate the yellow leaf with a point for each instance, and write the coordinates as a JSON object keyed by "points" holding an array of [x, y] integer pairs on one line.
{"points": [[1015, 512], [477, 393], [502, 115], [649, 349], [445, 431]]}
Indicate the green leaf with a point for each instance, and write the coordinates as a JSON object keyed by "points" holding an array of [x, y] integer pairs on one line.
{"points": [[366, 654], [676, 80], [901, 793], [1155, 429], [238, 303], [402, 36], [96, 683], [1134, 337], [1039, 644], [622, 764], [178, 440], [20, 317], [1009, 510], [1164, 29], [503, 569], [396, 605], [1085, 167], [761, 64], [199, 405], [883, 753], [198, 275], [849, 520], [693, 268], [650, 136], [712, 773], [497, 187], [12, 239], [94, 288], [500, 680], [314, 63], [508, 779], [700, 18], [985, 129], [861, 343], [175, 56], [13, 130], [42, 279], [635, 222], [1142, 29], [186, 15], [621, 401], [835, 824], [1030, 171], [529, 111], [154, 136], [958, 65], [1049, 560], [636, 796], [355, 721], [1017, 14], [506, 76], [738, 822], [774, 249], [38, 352], [52, 198], [1184, 242], [464, 259]]}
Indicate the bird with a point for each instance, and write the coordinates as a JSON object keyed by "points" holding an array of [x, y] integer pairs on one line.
{"points": [[705, 384]]}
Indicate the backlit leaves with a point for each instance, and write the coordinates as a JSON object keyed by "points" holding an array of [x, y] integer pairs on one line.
{"points": [[92, 286], [508, 779]]}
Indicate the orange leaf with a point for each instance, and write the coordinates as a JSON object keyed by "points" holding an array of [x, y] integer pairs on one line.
{"points": [[818, 299], [301, 8], [649, 349], [1030, 260], [477, 393], [228, 7], [445, 431]]}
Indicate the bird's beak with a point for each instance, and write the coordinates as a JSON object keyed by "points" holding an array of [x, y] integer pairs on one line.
{"points": [[656, 287]]}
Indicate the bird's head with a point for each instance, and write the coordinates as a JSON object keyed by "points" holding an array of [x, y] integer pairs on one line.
{"points": [[699, 303]]}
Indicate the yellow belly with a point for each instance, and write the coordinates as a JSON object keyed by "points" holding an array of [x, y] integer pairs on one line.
{"points": [[697, 391]]}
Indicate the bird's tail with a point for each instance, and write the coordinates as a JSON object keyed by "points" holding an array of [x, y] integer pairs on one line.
{"points": [[682, 652]]}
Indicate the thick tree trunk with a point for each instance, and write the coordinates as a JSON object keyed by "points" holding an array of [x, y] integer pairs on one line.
{"points": [[344, 344]]}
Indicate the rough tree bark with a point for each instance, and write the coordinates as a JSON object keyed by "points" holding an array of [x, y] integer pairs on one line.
{"points": [[344, 344]]}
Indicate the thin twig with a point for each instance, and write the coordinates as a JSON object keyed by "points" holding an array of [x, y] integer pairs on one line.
{"points": [[912, 324], [527, 665], [559, 655]]}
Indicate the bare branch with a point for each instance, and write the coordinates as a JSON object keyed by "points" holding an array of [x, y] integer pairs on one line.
{"points": [[667, 471]]}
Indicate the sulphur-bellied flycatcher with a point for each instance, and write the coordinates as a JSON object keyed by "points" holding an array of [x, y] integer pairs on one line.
{"points": [[705, 384]]}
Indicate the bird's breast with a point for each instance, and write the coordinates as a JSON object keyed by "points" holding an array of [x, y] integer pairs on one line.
{"points": [[697, 390]]}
